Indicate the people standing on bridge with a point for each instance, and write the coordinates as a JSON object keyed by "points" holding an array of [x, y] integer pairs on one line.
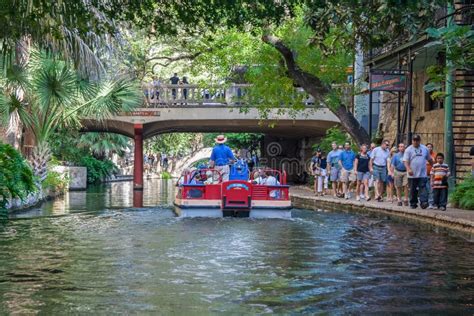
{"points": [[378, 167], [155, 92], [184, 90], [347, 169], [361, 166], [415, 158], [334, 168], [400, 178], [221, 157], [174, 81]]}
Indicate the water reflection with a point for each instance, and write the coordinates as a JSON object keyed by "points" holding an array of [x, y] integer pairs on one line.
{"points": [[137, 198], [117, 195]]}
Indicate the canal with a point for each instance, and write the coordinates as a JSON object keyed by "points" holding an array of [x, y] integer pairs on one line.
{"points": [[91, 253]]}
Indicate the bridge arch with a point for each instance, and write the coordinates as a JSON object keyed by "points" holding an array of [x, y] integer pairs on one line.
{"points": [[195, 111]]}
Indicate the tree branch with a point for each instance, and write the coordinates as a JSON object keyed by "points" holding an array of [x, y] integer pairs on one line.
{"points": [[318, 89], [312, 84], [175, 58]]}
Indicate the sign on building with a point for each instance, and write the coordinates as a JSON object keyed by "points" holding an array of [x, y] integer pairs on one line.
{"points": [[388, 80]]}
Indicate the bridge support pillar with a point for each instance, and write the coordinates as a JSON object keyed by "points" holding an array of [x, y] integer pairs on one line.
{"points": [[138, 158]]}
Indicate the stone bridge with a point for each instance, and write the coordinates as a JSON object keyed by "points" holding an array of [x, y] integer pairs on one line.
{"points": [[191, 108]]}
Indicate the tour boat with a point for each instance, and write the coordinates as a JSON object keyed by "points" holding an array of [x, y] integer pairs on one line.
{"points": [[238, 197]]}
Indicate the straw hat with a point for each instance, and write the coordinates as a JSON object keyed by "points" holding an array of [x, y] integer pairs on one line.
{"points": [[221, 139]]}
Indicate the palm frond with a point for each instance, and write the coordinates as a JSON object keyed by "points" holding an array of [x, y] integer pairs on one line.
{"points": [[112, 98], [54, 85]]}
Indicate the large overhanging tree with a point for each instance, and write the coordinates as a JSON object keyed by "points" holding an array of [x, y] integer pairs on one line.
{"points": [[75, 27], [294, 30]]}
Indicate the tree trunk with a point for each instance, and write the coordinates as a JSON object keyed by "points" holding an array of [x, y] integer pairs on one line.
{"points": [[14, 131], [39, 159], [319, 90]]}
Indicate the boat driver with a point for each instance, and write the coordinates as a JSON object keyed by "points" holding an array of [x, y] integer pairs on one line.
{"points": [[221, 157]]}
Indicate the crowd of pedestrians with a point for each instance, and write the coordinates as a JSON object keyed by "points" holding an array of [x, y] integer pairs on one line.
{"points": [[152, 161], [416, 173]]}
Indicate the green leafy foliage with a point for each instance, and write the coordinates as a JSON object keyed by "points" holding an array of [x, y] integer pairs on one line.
{"points": [[237, 140], [56, 96], [103, 145], [97, 170], [91, 151], [463, 195], [165, 175], [175, 144], [371, 24], [55, 182], [47, 94], [16, 176], [334, 134], [458, 42]]}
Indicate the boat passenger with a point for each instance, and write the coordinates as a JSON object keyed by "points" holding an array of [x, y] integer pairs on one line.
{"points": [[272, 180], [259, 177], [197, 179], [210, 178], [267, 178]]}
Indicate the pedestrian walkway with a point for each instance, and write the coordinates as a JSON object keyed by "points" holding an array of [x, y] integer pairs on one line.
{"points": [[452, 218]]}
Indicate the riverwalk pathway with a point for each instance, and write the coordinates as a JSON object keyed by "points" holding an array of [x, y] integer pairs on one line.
{"points": [[452, 218]]}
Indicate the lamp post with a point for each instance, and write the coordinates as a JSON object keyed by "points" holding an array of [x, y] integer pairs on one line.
{"points": [[448, 108]]}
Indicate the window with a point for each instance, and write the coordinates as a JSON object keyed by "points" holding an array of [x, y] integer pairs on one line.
{"points": [[431, 104], [438, 103]]}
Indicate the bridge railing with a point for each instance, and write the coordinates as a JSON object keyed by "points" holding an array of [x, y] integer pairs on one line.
{"points": [[169, 95], [190, 94]]}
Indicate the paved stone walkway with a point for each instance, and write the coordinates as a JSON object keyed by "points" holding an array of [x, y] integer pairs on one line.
{"points": [[462, 220]]}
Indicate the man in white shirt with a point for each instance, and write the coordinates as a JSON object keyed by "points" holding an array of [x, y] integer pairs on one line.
{"points": [[378, 167], [416, 157]]}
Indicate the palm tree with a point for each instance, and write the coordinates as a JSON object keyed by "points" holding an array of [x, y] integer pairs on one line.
{"points": [[104, 144], [56, 96]]}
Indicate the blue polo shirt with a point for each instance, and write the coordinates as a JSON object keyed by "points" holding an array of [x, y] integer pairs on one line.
{"points": [[397, 162], [221, 155], [347, 159], [333, 158]]}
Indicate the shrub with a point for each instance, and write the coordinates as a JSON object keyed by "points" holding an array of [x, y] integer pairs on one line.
{"points": [[16, 176], [463, 195], [55, 182], [165, 175], [97, 170]]}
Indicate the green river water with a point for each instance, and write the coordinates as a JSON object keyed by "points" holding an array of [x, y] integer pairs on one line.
{"points": [[92, 253]]}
